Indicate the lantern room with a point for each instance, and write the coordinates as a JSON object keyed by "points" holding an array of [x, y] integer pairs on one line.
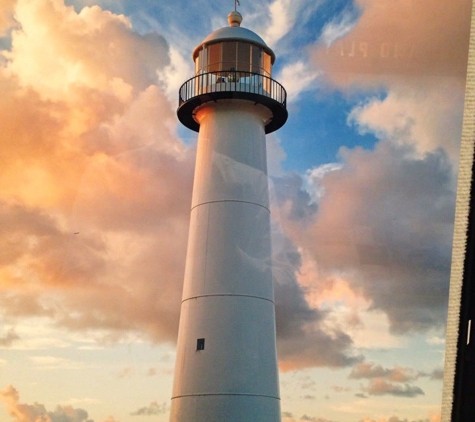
{"points": [[233, 62], [233, 49], [238, 56]]}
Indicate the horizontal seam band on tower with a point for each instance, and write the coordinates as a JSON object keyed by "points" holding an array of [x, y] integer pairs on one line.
{"points": [[231, 200], [226, 394], [228, 294]]}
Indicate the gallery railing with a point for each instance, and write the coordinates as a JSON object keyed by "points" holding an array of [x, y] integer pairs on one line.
{"points": [[232, 81]]}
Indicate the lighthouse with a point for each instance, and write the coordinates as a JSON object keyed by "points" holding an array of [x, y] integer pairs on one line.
{"points": [[226, 364]]}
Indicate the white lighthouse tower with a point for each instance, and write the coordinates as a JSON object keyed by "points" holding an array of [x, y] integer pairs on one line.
{"points": [[226, 366]]}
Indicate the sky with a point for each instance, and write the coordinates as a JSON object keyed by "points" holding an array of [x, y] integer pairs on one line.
{"points": [[95, 189]]}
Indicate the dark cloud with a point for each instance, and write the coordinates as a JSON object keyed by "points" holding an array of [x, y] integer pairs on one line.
{"points": [[303, 340], [292, 198], [437, 374], [152, 409], [306, 418], [365, 370], [386, 220], [386, 381]]}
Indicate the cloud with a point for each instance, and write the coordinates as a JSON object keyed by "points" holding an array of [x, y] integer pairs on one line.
{"points": [[287, 18], [296, 78], [7, 20], [8, 338], [339, 26], [110, 419], [384, 225], [21, 412], [176, 73], [371, 220], [385, 381], [379, 387], [304, 337], [437, 374], [306, 418], [152, 409], [370, 370], [292, 199], [416, 70], [372, 230], [289, 417], [82, 41], [283, 14], [398, 40], [94, 177], [425, 118], [431, 418]]}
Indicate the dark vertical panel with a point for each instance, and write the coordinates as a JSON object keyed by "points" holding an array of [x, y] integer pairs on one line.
{"points": [[463, 409]]}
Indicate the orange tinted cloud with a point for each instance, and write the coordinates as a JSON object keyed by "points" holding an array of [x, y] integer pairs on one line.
{"points": [[396, 374], [94, 180], [22, 412], [57, 49]]}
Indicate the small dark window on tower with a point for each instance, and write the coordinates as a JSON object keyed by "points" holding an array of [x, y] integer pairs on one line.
{"points": [[200, 344]]}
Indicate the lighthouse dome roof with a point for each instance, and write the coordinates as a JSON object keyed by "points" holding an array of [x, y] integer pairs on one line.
{"points": [[234, 33]]}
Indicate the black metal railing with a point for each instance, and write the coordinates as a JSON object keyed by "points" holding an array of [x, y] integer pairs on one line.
{"points": [[232, 81]]}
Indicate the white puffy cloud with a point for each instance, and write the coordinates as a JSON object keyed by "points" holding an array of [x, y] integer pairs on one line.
{"points": [[22, 412]]}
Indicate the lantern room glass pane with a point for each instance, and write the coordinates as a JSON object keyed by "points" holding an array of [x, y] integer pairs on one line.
{"points": [[256, 59], [267, 65], [214, 57], [202, 61], [243, 57], [229, 55], [198, 63]]}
